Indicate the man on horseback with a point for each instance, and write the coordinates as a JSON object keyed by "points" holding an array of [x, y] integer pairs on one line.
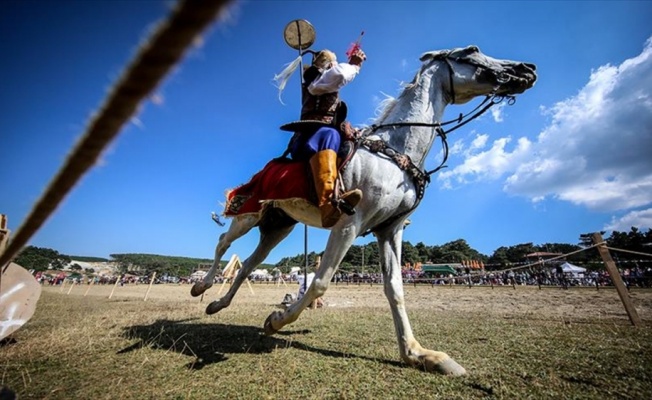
{"points": [[322, 128]]}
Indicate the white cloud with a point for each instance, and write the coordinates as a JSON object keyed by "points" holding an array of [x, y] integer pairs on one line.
{"points": [[596, 152], [497, 111], [640, 219], [489, 164]]}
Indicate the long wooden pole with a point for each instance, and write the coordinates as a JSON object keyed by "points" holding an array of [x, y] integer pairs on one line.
{"points": [[616, 279], [89, 286], [71, 286], [222, 287], [114, 286], [151, 282]]}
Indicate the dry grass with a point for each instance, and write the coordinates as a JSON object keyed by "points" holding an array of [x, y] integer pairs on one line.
{"points": [[516, 344]]}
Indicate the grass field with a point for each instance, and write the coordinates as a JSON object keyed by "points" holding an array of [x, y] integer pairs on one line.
{"points": [[515, 344]]}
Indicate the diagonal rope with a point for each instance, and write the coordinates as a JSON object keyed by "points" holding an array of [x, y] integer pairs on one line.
{"points": [[630, 251], [155, 58], [544, 261]]}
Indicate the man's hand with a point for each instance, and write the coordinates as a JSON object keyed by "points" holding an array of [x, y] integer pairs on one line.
{"points": [[357, 58]]}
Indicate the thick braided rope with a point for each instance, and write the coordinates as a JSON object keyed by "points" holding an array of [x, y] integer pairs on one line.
{"points": [[155, 58]]}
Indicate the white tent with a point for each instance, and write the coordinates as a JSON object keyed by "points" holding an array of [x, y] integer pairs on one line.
{"points": [[572, 269], [260, 273]]}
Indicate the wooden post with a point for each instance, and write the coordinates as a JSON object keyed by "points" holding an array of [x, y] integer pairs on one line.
{"points": [[616, 279], [114, 286], [71, 286], [249, 284], [89, 286], [151, 282], [222, 287]]}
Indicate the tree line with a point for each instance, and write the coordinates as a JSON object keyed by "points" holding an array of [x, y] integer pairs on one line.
{"points": [[42, 259], [457, 251], [365, 258]]}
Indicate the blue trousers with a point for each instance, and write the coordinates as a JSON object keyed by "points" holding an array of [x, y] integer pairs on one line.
{"points": [[306, 145]]}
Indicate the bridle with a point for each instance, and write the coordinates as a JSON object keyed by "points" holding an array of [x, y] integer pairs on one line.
{"points": [[463, 119], [403, 161]]}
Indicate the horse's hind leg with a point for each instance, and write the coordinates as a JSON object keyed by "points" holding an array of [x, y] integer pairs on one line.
{"points": [[269, 238], [389, 244], [240, 225]]}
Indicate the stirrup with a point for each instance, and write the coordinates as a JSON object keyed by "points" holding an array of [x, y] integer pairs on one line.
{"points": [[343, 206]]}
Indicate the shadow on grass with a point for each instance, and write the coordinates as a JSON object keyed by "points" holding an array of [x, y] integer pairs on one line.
{"points": [[211, 343]]}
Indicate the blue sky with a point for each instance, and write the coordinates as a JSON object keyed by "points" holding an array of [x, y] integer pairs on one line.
{"points": [[573, 155]]}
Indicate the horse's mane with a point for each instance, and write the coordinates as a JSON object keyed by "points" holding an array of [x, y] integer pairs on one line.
{"points": [[386, 105]]}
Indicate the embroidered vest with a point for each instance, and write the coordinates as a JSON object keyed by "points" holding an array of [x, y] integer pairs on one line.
{"points": [[317, 108]]}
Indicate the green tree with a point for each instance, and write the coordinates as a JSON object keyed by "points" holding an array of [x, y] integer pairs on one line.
{"points": [[409, 254], [148, 263], [634, 240], [424, 252], [41, 258], [504, 256], [455, 252], [499, 258]]}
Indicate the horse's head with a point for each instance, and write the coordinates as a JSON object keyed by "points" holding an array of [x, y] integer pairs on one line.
{"points": [[472, 74]]}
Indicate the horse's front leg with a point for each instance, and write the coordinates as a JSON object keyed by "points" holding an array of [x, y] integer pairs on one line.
{"points": [[240, 225], [389, 244], [338, 244], [269, 238]]}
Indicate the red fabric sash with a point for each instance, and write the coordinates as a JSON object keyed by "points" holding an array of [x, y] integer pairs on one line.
{"points": [[277, 180]]}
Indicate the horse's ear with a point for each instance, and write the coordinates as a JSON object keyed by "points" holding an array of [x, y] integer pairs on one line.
{"points": [[431, 55], [472, 49], [426, 56]]}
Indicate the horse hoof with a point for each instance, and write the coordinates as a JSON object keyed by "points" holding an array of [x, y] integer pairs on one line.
{"points": [[199, 288], [269, 329], [450, 367], [214, 307]]}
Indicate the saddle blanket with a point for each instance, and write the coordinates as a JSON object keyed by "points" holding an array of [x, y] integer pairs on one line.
{"points": [[280, 179]]}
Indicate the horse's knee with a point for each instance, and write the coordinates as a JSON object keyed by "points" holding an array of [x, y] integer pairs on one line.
{"points": [[319, 286]]}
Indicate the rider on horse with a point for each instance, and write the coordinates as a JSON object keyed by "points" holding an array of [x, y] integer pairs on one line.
{"points": [[323, 127]]}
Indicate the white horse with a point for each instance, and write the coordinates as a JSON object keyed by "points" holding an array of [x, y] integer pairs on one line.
{"points": [[389, 169]]}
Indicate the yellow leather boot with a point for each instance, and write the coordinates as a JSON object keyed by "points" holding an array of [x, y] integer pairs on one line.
{"points": [[324, 171]]}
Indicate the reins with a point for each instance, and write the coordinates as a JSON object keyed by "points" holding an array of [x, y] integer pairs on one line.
{"points": [[463, 119]]}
